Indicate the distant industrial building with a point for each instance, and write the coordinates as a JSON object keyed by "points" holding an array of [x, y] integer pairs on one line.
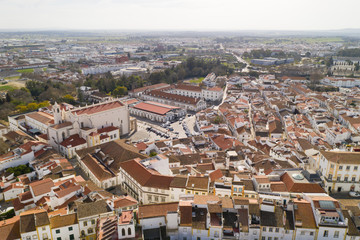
{"points": [[272, 61]]}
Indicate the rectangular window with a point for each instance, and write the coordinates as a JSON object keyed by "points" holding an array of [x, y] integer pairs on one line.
{"points": [[57, 231], [330, 176], [340, 167], [336, 234], [311, 233], [235, 189], [345, 179], [276, 229], [93, 222], [353, 179], [347, 168], [331, 165], [270, 229], [326, 233], [70, 228], [355, 168], [264, 229], [338, 178], [85, 223], [302, 232], [58, 238]]}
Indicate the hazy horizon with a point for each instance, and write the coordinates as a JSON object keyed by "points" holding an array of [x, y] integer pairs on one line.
{"points": [[178, 15]]}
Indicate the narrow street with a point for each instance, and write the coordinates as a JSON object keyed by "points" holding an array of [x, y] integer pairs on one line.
{"points": [[246, 69]]}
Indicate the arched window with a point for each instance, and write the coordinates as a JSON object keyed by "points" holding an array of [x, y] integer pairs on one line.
{"points": [[129, 231], [63, 136], [123, 231]]}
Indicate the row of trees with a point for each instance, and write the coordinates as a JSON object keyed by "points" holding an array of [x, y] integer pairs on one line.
{"points": [[190, 68], [353, 52], [19, 170], [261, 53]]}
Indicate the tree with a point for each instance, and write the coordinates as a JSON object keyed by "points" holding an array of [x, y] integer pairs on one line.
{"points": [[119, 91], [3, 147], [254, 74], [35, 87], [316, 77], [357, 66], [152, 154], [217, 120], [8, 98], [68, 99], [329, 62]]}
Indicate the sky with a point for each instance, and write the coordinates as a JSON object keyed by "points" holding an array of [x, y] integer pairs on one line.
{"points": [[201, 15]]}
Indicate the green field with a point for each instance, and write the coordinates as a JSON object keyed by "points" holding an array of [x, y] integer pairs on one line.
{"points": [[291, 40], [197, 81], [6, 87], [14, 78], [29, 70]]}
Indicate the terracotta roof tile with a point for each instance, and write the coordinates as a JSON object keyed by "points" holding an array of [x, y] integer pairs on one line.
{"points": [[59, 221], [73, 141], [98, 108], [157, 210], [300, 187], [96, 168], [41, 187], [145, 177]]}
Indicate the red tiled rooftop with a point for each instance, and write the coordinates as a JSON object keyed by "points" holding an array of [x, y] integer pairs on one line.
{"points": [[72, 141], [98, 108], [125, 217], [107, 129], [174, 97], [144, 176], [42, 186], [217, 89], [124, 201], [188, 87], [152, 108]]}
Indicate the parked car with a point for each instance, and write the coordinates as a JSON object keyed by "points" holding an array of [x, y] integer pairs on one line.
{"points": [[354, 194]]}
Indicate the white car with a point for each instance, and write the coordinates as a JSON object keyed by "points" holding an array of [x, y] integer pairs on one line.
{"points": [[354, 194]]}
